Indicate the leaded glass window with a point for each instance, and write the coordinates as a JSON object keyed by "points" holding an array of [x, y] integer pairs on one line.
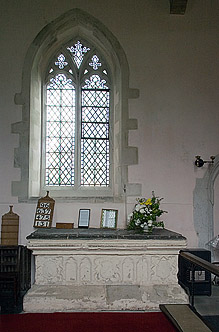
{"points": [[77, 149], [95, 133]]}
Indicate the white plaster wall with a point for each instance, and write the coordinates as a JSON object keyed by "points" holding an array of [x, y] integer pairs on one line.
{"points": [[173, 62]]}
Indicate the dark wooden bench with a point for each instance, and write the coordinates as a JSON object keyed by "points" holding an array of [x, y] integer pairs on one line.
{"points": [[15, 276]]}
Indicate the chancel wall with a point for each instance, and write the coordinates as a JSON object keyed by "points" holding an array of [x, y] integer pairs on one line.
{"points": [[173, 62]]}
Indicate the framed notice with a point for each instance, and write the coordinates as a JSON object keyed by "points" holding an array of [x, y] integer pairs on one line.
{"points": [[44, 212], [109, 218], [84, 218]]}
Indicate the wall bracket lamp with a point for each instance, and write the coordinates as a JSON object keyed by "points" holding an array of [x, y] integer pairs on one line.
{"points": [[200, 162]]}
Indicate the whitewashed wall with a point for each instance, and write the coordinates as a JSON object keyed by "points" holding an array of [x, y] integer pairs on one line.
{"points": [[173, 62]]}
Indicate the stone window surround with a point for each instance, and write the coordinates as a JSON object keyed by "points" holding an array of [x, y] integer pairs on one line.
{"points": [[27, 156]]}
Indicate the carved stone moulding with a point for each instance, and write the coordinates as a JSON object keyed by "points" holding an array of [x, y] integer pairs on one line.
{"points": [[106, 269]]}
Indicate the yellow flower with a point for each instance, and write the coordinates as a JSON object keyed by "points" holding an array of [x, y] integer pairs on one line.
{"points": [[148, 202]]}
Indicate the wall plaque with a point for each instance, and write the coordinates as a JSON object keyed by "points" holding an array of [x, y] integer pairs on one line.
{"points": [[109, 218], [44, 212]]}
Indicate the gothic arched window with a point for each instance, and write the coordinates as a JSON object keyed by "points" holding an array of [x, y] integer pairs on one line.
{"points": [[77, 140], [74, 132]]}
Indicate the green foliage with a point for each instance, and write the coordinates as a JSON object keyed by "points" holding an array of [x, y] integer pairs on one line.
{"points": [[145, 213]]}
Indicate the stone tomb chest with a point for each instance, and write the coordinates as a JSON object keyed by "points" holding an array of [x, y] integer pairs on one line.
{"points": [[99, 269]]}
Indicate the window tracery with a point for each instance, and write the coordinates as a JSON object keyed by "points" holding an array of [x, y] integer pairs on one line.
{"points": [[77, 113]]}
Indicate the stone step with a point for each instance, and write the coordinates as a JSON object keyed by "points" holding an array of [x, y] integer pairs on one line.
{"points": [[184, 318]]}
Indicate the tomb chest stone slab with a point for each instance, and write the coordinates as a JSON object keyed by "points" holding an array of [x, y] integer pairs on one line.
{"points": [[129, 271]]}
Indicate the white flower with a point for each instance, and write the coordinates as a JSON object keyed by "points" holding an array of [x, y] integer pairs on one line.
{"points": [[130, 216], [137, 222], [149, 222], [137, 207]]}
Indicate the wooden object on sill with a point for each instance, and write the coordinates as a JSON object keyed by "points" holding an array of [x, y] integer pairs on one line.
{"points": [[64, 225], [10, 228]]}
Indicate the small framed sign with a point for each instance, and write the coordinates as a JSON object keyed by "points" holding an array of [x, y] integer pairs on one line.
{"points": [[84, 218], [44, 212], [109, 218]]}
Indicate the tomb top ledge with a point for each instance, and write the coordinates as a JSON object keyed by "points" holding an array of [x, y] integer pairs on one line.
{"points": [[102, 233]]}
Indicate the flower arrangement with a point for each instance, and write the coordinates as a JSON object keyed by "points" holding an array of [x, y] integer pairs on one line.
{"points": [[145, 213]]}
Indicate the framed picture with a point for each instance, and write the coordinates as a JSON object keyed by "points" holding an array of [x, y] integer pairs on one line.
{"points": [[109, 218], [44, 212], [84, 218]]}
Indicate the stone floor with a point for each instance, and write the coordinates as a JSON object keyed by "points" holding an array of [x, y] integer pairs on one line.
{"points": [[208, 305], [208, 308]]}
